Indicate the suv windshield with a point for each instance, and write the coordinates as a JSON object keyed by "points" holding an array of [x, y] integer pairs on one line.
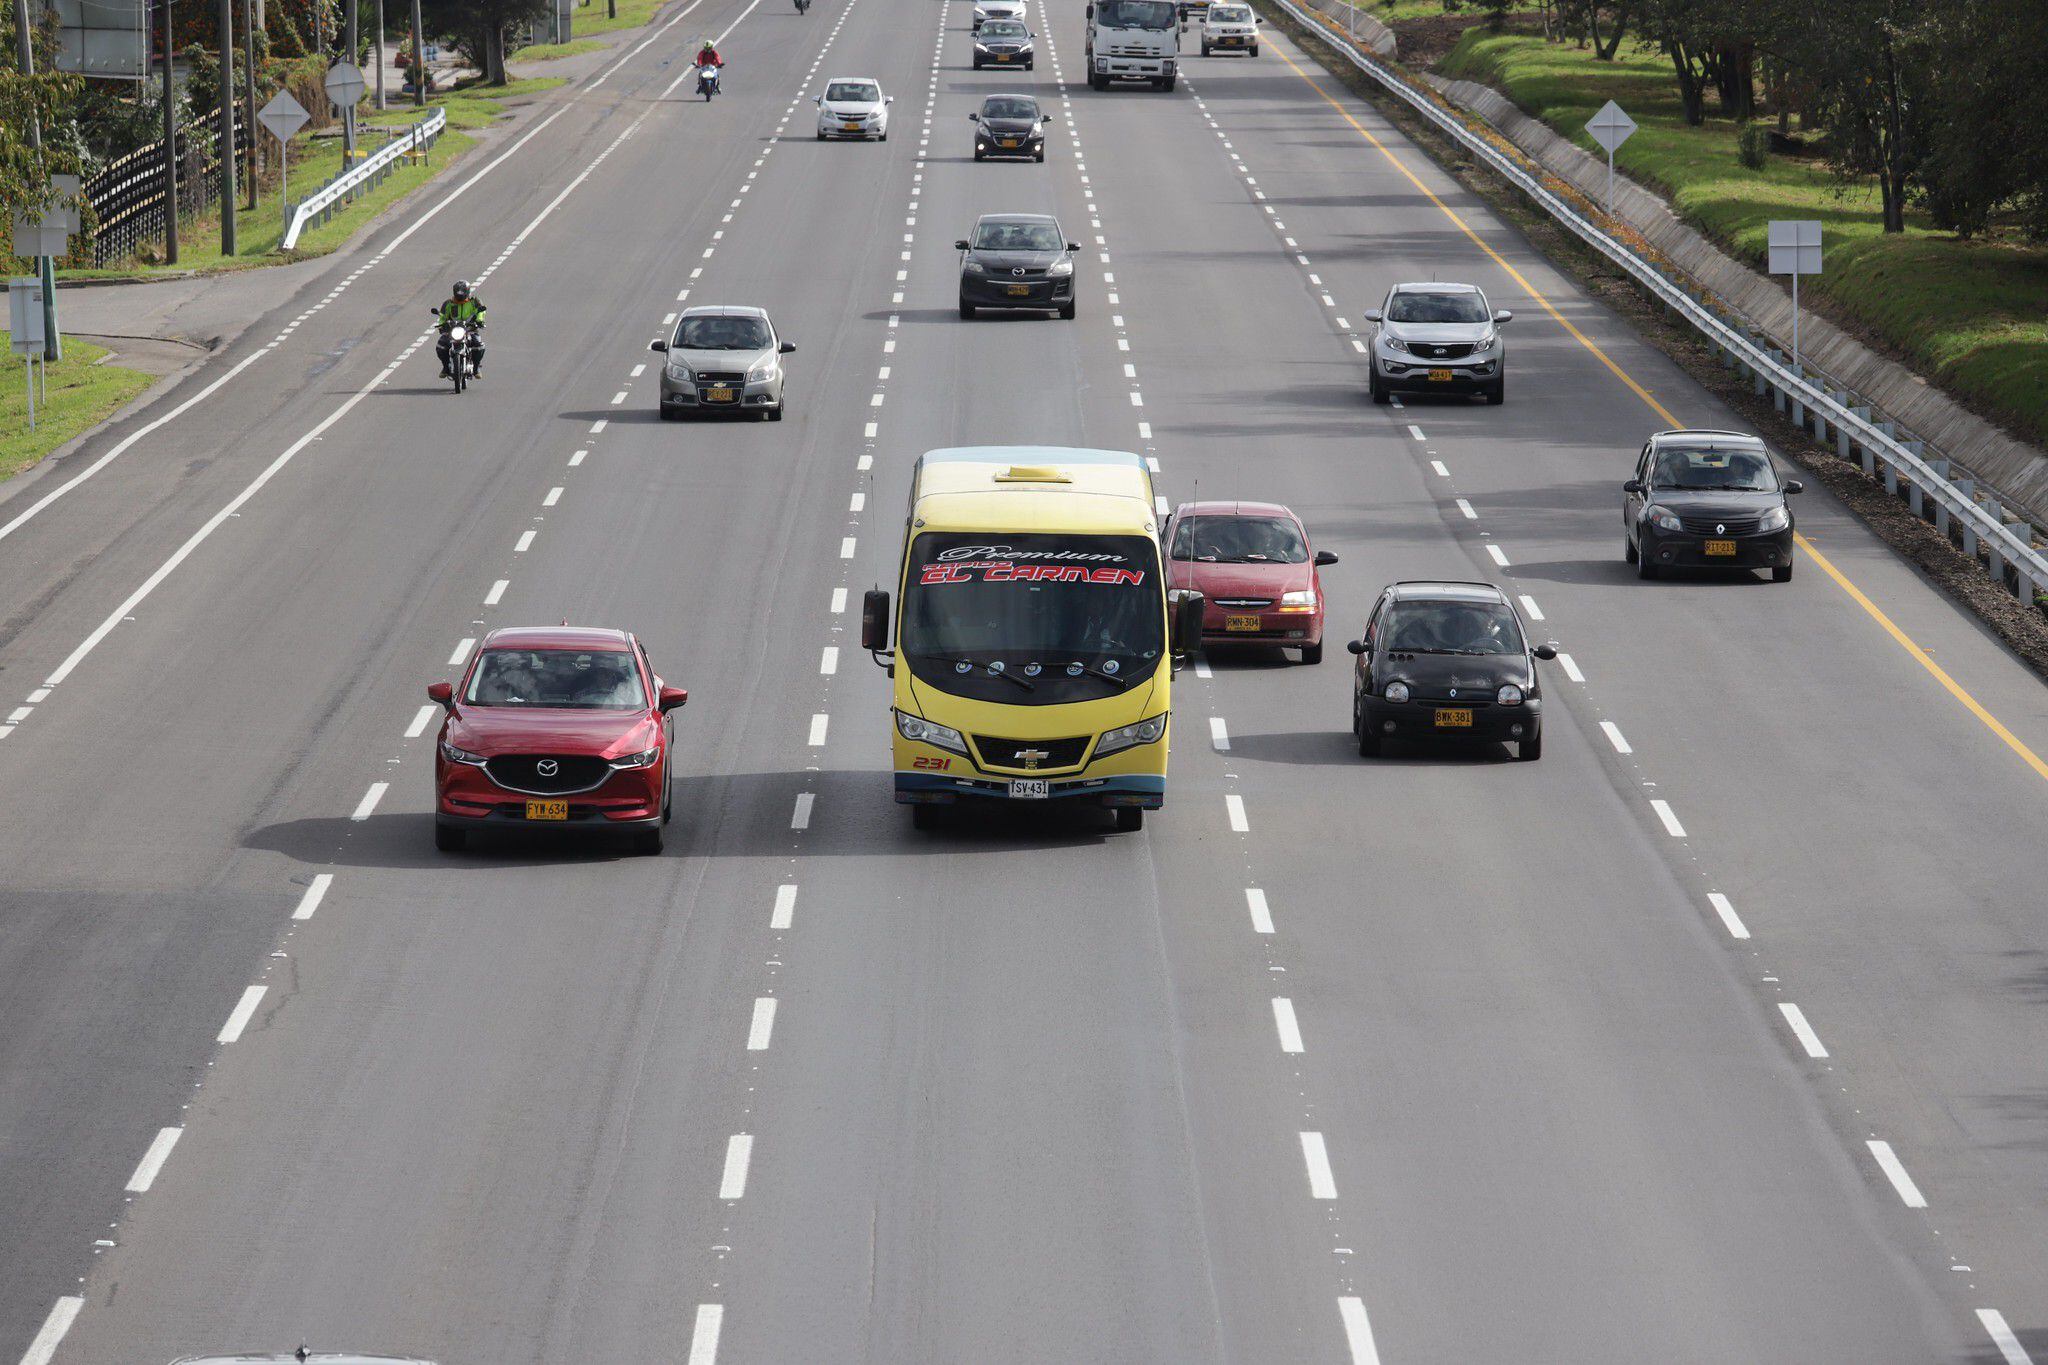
{"points": [[723, 334], [1419, 307], [1734, 471], [1136, 13], [1239, 540], [1230, 14], [852, 92], [602, 680], [1066, 618], [1017, 237], [1008, 108], [1451, 628]]}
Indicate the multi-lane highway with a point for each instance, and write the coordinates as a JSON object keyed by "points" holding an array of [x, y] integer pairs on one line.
{"points": [[1718, 1035]]}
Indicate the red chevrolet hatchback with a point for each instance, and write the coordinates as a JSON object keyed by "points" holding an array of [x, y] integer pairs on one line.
{"points": [[554, 728], [1252, 561]]}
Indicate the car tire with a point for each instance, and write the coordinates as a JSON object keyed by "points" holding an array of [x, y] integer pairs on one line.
{"points": [[1252, 51], [1644, 568], [764, 414], [1498, 394], [884, 137], [977, 64], [1130, 819], [449, 839], [775, 413], [648, 840], [1094, 81], [1368, 742], [967, 310], [1067, 311], [821, 137], [1312, 654], [1205, 50], [668, 414], [1039, 156], [1529, 750], [977, 154], [1376, 386], [924, 817], [1029, 67], [1628, 549], [1781, 573], [1169, 83]]}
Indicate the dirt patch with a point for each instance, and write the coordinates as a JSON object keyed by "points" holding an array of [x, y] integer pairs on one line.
{"points": [[1426, 41]]}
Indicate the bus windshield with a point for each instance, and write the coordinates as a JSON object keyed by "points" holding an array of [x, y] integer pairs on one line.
{"points": [[1032, 619]]}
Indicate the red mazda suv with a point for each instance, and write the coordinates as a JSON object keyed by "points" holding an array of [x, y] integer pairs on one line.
{"points": [[554, 728], [1253, 564]]}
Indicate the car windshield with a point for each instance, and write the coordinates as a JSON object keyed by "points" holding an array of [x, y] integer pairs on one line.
{"points": [[723, 334], [1017, 237], [1419, 307], [588, 680], [1009, 108], [1003, 28], [1136, 13], [1733, 471], [1032, 619], [853, 92], [1230, 14], [1451, 628], [1239, 540]]}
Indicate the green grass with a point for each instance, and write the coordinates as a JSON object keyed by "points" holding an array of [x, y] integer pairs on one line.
{"points": [[1973, 316], [588, 21], [82, 395], [547, 52]]}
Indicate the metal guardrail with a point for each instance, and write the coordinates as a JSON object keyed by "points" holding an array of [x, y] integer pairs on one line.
{"points": [[1988, 532], [320, 203]]}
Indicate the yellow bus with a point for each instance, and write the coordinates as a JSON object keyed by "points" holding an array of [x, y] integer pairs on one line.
{"points": [[1033, 654]]}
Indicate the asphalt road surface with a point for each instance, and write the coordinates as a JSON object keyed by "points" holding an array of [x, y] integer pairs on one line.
{"points": [[1719, 1035]]}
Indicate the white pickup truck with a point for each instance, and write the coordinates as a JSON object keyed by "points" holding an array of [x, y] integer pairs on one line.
{"points": [[1133, 40]]}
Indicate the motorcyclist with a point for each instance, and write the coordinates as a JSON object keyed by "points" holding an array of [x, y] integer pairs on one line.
{"points": [[468, 311], [707, 55]]}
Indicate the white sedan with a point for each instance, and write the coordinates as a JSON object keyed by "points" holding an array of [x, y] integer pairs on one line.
{"points": [[853, 106], [984, 10]]}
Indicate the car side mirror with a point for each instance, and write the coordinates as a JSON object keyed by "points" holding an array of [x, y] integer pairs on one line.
{"points": [[1794, 486], [672, 697], [818, 100], [657, 345], [974, 118], [1188, 609], [1545, 651], [1090, 14], [960, 245], [1073, 246], [874, 620], [442, 694], [1324, 558], [1504, 315], [1632, 486], [786, 348], [1374, 315], [1356, 646]]}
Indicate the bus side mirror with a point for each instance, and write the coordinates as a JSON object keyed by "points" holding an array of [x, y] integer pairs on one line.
{"points": [[1187, 621], [874, 620]]}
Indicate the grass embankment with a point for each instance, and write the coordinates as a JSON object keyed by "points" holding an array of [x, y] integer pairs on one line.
{"points": [[82, 395], [1972, 316], [589, 20]]}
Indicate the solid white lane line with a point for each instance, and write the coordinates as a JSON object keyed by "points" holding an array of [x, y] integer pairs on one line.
{"points": [[1466, 508], [554, 496], [739, 1154], [1895, 1171], [785, 906], [1219, 733], [828, 662], [800, 818], [1614, 737], [525, 543], [1669, 817], [1442, 471], [1571, 667], [244, 1011], [370, 800], [461, 654], [838, 601], [1808, 1039], [1234, 804], [1995, 1324], [1500, 556], [704, 1336], [1529, 605], [153, 1160], [846, 547], [818, 724], [1262, 915], [51, 1335], [1322, 1182], [1285, 1022], [1726, 910], [315, 893], [497, 592], [762, 1026], [1358, 1330], [1416, 432]]}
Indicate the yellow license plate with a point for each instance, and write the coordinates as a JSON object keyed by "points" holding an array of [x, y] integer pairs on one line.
{"points": [[1240, 623], [1439, 376], [1002, 56], [849, 127], [1720, 547], [1019, 291], [547, 810], [718, 395], [1454, 718], [1010, 141]]}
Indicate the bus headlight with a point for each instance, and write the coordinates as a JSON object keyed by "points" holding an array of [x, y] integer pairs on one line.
{"points": [[925, 732], [1126, 736]]}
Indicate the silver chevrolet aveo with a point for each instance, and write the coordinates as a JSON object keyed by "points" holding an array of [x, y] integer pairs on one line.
{"points": [[1438, 338], [723, 358]]}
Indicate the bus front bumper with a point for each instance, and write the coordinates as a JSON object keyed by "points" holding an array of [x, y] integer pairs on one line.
{"points": [[1146, 790]]}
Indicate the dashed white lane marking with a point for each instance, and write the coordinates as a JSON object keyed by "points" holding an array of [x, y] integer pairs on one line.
{"points": [[599, 425], [554, 496], [739, 1154], [153, 1160], [858, 502], [1144, 431], [819, 723], [497, 592], [800, 818], [1137, 400], [761, 1027], [1234, 804], [1262, 915], [846, 547], [1322, 1181], [1202, 669], [525, 543], [1669, 817], [2001, 1336], [62, 1313], [315, 893], [1500, 556], [828, 662], [785, 906], [461, 654], [704, 1336], [838, 601], [1808, 1039], [1614, 737], [1358, 1330], [618, 397], [1570, 667], [1416, 432], [1895, 1171], [1219, 733], [1466, 508], [577, 458], [1529, 605], [1725, 908], [239, 1017], [1442, 471], [370, 800], [1288, 1027]]}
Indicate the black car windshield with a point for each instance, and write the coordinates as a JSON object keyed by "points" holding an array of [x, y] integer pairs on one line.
{"points": [[1451, 628], [1136, 13], [723, 334], [1008, 108], [1004, 28], [852, 92], [1017, 237], [587, 680], [1239, 540], [1067, 617], [1729, 471], [1418, 307]]}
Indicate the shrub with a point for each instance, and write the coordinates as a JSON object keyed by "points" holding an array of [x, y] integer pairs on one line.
{"points": [[1753, 144]]}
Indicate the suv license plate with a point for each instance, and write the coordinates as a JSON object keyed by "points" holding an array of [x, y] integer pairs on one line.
{"points": [[1240, 623], [547, 810], [1439, 376], [1720, 547], [1454, 718], [1020, 291], [1030, 788]]}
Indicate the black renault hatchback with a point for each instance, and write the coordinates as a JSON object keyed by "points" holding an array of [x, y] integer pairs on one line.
{"points": [[1017, 260], [1447, 660], [1707, 500]]}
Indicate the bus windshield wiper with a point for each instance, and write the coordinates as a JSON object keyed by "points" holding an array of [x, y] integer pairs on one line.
{"points": [[1122, 684], [1004, 674]]}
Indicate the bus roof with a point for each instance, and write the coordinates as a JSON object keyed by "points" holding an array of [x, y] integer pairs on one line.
{"points": [[1032, 488]]}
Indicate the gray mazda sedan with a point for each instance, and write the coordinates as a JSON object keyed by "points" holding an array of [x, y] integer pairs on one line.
{"points": [[723, 358]]}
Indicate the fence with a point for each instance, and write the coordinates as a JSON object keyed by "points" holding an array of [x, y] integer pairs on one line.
{"points": [[127, 197], [317, 206]]}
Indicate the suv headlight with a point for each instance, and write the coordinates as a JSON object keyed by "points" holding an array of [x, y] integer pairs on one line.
{"points": [[1777, 519], [1509, 695], [1663, 518], [1304, 600], [925, 732], [644, 759], [1396, 692], [455, 755], [1125, 736], [762, 372], [1060, 268], [1393, 343], [1485, 343]]}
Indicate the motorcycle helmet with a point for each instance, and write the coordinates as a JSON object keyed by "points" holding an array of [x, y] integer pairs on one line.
{"points": [[462, 289]]}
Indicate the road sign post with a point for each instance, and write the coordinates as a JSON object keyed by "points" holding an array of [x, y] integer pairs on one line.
{"points": [[1794, 250], [282, 117], [1610, 128], [25, 331], [344, 85]]}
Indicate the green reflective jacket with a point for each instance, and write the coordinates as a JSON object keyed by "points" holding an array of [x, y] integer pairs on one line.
{"points": [[469, 310]]}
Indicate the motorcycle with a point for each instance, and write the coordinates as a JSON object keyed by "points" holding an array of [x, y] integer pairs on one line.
{"points": [[803, 6], [707, 82], [463, 346]]}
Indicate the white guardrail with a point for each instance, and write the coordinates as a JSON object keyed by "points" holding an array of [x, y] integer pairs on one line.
{"points": [[369, 171], [1988, 531]]}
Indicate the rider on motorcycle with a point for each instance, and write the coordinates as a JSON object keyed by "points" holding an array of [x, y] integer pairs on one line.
{"points": [[707, 55], [469, 312]]}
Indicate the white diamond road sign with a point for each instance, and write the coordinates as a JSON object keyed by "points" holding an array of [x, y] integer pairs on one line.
{"points": [[344, 85], [283, 116], [1611, 127]]}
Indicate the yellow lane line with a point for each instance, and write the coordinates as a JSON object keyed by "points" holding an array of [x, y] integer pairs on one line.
{"points": [[1906, 642]]}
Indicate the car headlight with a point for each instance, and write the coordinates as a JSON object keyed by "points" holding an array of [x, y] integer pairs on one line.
{"points": [[1060, 268], [1396, 692], [980, 46], [1125, 736], [644, 759], [455, 755], [1485, 343], [1394, 344], [925, 732], [762, 372], [1663, 518], [1304, 600], [678, 370], [972, 267], [1509, 695], [1777, 519]]}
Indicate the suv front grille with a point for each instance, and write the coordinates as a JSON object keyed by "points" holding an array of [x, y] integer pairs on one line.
{"points": [[1720, 526], [1440, 350], [547, 774], [1029, 754]]}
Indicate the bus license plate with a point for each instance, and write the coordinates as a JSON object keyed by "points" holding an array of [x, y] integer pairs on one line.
{"points": [[547, 810], [1439, 376], [1454, 718], [718, 395], [1030, 788], [1240, 623], [1720, 547]]}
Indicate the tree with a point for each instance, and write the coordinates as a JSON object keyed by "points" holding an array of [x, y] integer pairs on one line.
{"points": [[1873, 67], [43, 102], [1986, 146], [478, 29]]}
